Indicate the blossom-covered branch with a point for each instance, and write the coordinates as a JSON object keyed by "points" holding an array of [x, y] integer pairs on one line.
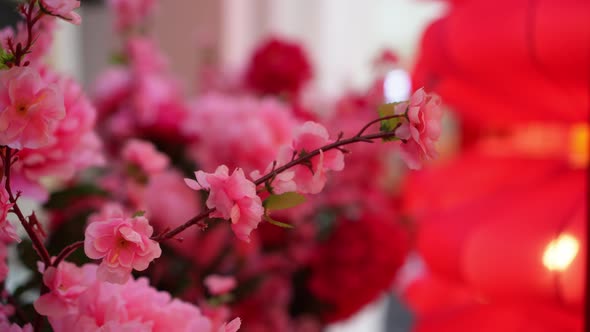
{"points": [[424, 124], [304, 158]]}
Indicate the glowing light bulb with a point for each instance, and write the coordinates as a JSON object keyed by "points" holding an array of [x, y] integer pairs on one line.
{"points": [[397, 86], [560, 253]]}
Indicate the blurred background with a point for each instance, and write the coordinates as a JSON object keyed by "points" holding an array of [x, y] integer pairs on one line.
{"points": [[497, 227]]}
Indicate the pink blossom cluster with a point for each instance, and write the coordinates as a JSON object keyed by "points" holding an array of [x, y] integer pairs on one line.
{"points": [[144, 156], [422, 128], [131, 13], [233, 197], [138, 179], [63, 9], [219, 124], [56, 135], [47, 126], [30, 109], [78, 301], [311, 178], [140, 98], [123, 244]]}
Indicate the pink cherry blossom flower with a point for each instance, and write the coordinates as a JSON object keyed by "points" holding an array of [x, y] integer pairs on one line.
{"points": [[217, 284], [65, 283], [76, 145], [6, 228], [123, 244], [421, 130], [311, 178], [233, 197], [130, 13], [30, 109], [144, 155], [63, 9]]}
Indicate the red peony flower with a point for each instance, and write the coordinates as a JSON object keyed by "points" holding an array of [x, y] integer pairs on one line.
{"points": [[278, 67], [356, 264]]}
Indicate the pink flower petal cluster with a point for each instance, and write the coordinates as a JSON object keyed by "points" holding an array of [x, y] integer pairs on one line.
{"points": [[131, 13], [63, 9], [144, 55], [421, 130], [233, 197], [76, 145], [30, 109], [219, 123], [131, 307], [123, 244], [65, 284], [6, 228], [217, 284], [311, 178], [5, 326], [142, 99], [144, 155]]}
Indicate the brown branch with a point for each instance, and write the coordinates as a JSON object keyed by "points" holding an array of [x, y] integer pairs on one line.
{"points": [[335, 145], [193, 221], [27, 12], [37, 243], [296, 161], [67, 251]]}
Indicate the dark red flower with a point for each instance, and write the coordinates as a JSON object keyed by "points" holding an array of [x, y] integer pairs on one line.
{"points": [[357, 263], [278, 67]]}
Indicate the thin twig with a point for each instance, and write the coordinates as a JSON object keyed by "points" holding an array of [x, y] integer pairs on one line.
{"points": [[67, 251], [37, 243], [275, 171]]}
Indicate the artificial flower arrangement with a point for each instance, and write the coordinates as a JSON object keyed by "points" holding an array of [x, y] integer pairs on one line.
{"points": [[216, 212]]}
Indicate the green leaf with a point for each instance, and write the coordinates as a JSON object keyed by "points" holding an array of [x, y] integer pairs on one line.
{"points": [[5, 58], [139, 213], [283, 201], [389, 124], [118, 59], [277, 223]]}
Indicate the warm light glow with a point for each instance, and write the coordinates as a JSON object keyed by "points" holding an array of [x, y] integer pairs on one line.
{"points": [[561, 252], [579, 146], [397, 86]]}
